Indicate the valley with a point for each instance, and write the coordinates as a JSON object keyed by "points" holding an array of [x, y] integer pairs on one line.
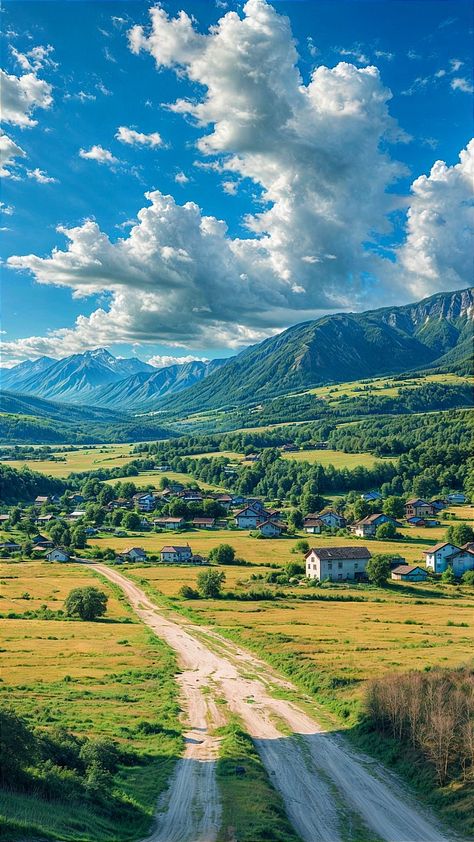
{"points": [[223, 680]]}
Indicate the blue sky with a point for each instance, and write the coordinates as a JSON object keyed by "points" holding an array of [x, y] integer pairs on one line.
{"points": [[97, 81]]}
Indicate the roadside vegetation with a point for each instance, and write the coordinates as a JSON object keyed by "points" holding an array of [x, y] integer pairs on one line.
{"points": [[90, 709]]}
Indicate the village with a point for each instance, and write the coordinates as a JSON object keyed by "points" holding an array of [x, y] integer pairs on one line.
{"points": [[69, 528]]}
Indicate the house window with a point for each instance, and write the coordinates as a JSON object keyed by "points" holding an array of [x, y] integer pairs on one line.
{"points": [[356, 566], [329, 565], [339, 564], [339, 575]]}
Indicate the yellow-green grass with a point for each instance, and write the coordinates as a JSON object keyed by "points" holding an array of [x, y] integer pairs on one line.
{"points": [[337, 458], [272, 550], [231, 455], [153, 478], [99, 680], [85, 459], [380, 385], [390, 630]]}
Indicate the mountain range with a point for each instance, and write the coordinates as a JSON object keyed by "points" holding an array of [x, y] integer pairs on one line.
{"points": [[100, 378], [435, 332], [344, 346]]}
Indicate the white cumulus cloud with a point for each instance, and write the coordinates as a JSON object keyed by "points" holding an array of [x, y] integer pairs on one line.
{"points": [[163, 360], [20, 96], [41, 177], [134, 138], [99, 154], [9, 150], [317, 155], [440, 228]]}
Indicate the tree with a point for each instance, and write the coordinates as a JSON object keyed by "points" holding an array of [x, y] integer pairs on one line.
{"points": [[460, 533], [79, 537], [15, 516], [131, 521], [301, 546], [378, 569], [60, 534], [87, 603], [295, 519], [468, 577], [448, 576], [394, 507], [222, 554], [210, 583], [386, 530]]}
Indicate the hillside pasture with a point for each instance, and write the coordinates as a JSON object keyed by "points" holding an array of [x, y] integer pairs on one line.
{"points": [[83, 459], [152, 478], [337, 458]]}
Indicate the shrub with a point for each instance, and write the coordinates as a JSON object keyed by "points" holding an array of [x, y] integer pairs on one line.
{"points": [[468, 577], [386, 530], [222, 554], [186, 592]]}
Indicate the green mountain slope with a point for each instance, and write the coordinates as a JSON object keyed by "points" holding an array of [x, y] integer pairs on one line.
{"points": [[340, 347]]}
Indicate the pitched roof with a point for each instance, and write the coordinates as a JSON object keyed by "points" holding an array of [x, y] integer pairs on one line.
{"points": [[131, 549], [174, 549], [204, 520], [468, 546], [338, 553], [439, 547], [408, 568]]}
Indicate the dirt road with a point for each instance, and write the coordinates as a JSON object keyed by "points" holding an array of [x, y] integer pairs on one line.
{"points": [[326, 786]]}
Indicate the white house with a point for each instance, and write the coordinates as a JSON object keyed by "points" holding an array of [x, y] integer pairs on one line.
{"points": [[331, 519], [173, 554], [336, 563], [312, 524], [248, 518], [436, 558], [367, 527], [58, 555], [144, 502], [271, 528], [134, 554]]}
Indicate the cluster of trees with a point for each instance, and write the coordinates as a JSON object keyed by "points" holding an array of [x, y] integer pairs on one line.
{"points": [[33, 429], [24, 484], [58, 765], [432, 713]]}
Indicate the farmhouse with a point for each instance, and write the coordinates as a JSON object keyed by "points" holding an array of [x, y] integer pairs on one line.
{"points": [[371, 496], [144, 502], [249, 518], [418, 508], [58, 555], [457, 497], [312, 524], [204, 522], [367, 527], [271, 528], [331, 519], [10, 546], [224, 500], [169, 522], [134, 554], [173, 554], [337, 563], [41, 500], [409, 573], [40, 540], [444, 555]]}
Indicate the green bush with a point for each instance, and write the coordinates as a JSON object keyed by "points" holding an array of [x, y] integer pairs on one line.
{"points": [[87, 603]]}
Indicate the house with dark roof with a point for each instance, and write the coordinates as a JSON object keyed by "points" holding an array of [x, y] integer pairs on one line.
{"points": [[271, 528], [332, 519], [419, 508], [367, 527], [204, 522], [172, 554], [337, 563], [312, 524], [444, 555]]}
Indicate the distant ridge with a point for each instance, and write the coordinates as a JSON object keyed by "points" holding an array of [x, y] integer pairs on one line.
{"points": [[342, 347]]}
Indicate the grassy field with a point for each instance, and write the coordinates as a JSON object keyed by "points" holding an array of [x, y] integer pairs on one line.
{"points": [[84, 459], [102, 679], [273, 550], [153, 478], [333, 457], [335, 645], [379, 386]]}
